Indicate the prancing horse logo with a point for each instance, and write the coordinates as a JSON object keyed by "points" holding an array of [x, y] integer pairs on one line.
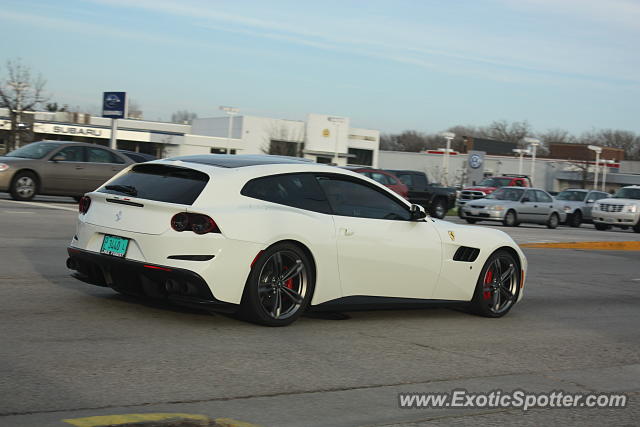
{"points": [[452, 235], [118, 216]]}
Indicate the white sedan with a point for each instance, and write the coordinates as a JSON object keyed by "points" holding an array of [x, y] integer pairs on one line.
{"points": [[269, 237]]}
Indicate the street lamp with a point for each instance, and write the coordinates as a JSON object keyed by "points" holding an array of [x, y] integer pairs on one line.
{"points": [[336, 121], [521, 152], [533, 142], [230, 111], [598, 150], [607, 163], [445, 159]]}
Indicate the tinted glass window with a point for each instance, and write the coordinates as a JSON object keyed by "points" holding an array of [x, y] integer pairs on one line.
{"points": [[543, 197], [349, 198], [159, 182], [35, 150], [406, 180], [381, 178], [531, 195], [300, 190], [513, 194], [572, 195], [98, 155], [70, 154], [420, 181]]}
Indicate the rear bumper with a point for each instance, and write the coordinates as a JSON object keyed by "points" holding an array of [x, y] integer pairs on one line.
{"points": [[177, 285]]}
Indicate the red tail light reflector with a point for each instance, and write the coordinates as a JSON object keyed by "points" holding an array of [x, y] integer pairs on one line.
{"points": [[84, 204], [198, 223]]}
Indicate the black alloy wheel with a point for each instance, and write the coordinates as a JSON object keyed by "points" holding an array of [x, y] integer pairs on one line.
{"points": [[510, 219], [279, 287], [498, 286], [576, 219]]}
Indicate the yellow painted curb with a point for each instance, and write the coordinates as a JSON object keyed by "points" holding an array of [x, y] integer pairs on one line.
{"points": [[115, 420], [594, 246]]}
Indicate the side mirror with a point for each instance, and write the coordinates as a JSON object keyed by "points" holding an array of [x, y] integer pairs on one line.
{"points": [[58, 158], [525, 200], [590, 201], [417, 212]]}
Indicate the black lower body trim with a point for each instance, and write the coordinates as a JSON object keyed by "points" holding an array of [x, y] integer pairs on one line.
{"points": [[137, 278], [362, 303]]}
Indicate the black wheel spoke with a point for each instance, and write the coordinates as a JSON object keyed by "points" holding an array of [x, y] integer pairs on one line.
{"points": [[293, 271], [277, 304], [507, 274], [295, 297]]}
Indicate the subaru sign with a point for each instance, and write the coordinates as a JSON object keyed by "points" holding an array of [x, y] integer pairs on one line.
{"points": [[114, 105]]}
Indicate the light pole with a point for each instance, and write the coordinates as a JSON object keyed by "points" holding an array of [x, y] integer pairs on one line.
{"points": [[598, 150], [533, 142], [445, 159], [336, 121], [604, 173], [521, 152], [231, 111]]}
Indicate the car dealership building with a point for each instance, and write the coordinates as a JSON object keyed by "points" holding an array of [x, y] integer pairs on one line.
{"points": [[321, 138]]}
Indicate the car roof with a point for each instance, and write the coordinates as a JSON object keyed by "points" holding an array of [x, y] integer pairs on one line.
{"points": [[240, 160], [580, 189]]}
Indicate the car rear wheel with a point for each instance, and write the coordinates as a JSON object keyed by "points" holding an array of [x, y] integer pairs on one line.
{"points": [[602, 227], [510, 219], [279, 287], [24, 186], [636, 227], [439, 209], [498, 286], [576, 219], [553, 221]]}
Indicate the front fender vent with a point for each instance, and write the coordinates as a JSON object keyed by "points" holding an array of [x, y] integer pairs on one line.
{"points": [[466, 254]]}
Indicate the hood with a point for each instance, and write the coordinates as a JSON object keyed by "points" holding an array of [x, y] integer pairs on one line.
{"points": [[614, 201], [485, 190]]}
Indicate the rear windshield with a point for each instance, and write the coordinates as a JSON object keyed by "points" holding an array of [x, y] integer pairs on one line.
{"points": [[159, 182]]}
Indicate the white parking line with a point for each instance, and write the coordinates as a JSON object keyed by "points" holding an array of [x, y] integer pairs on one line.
{"points": [[42, 205]]}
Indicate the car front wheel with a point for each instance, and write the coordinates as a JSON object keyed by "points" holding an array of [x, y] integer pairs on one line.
{"points": [[279, 287], [24, 186], [553, 221], [510, 219], [602, 227], [576, 219], [498, 286]]}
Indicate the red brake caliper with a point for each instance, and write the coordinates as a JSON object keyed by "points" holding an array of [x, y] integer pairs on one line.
{"points": [[488, 278], [289, 283]]}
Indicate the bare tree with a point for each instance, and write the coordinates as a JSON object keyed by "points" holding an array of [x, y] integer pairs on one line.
{"points": [[134, 110], [20, 92], [626, 140], [556, 136], [283, 140], [183, 117], [502, 130]]}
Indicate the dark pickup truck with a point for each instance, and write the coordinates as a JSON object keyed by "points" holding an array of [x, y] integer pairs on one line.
{"points": [[436, 200]]}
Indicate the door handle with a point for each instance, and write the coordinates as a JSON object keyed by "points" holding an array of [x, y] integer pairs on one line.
{"points": [[347, 232]]}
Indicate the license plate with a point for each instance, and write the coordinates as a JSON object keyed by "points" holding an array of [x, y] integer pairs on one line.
{"points": [[114, 246]]}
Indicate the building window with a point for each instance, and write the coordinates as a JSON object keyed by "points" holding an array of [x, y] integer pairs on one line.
{"points": [[359, 156], [323, 160], [363, 137], [222, 151]]}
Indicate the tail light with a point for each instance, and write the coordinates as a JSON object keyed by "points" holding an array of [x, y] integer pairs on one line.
{"points": [[83, 204], [198, 223]]}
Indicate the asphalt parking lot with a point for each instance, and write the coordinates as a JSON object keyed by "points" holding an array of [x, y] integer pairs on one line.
{"points": [[71, 350]]}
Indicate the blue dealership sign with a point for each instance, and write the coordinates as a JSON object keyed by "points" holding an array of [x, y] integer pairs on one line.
{"points": [[114, 105]]}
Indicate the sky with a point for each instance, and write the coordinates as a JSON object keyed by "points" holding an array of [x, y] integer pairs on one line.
{"points": [[395, 65]]}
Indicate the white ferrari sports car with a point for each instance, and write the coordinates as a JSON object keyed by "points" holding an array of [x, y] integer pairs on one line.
{"points": [[270, 237]]}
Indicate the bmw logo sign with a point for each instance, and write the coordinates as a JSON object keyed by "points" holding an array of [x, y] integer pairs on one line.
{"points": [[475, 161]]}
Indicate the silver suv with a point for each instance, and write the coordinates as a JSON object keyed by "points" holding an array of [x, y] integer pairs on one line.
{"points": [[513, 206], [622, 210], [578, 204]]}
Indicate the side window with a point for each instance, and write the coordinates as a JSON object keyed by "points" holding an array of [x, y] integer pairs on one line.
{"points": [[420, 181], [406, 179], [381, 178], [596, 195], [300, 190], [531, 195], [98, 155], [543, 197], [350, 198], [70, 154]]}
